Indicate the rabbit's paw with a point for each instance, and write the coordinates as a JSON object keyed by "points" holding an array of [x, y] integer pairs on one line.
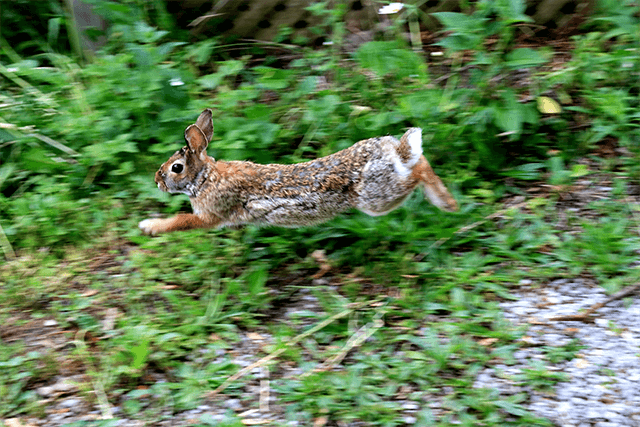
{"points": [[152, 226]]}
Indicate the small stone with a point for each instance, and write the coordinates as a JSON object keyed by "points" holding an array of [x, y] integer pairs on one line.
{"points": [[564, 407], [50, 322], [58, 417], [72, 403], [410, 406], [593, 413], [233, 404], [45, 391], [65, 386]]}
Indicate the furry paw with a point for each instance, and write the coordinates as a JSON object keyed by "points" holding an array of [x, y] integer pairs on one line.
{"points": [[152, 226]]}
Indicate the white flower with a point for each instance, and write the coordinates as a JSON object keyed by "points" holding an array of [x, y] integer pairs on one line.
{"points": [[176, 82], [391, 8]]}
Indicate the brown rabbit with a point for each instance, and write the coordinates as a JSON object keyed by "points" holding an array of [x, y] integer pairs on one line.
{"points": [[374, 175]]}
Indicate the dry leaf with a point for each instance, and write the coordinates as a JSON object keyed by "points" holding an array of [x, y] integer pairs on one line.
{"points": [[580, 363], [487, 341], [250, 422], [110, 317], [254, 336], [15, 422], [548, 105], [320, 421], [89, 293]]}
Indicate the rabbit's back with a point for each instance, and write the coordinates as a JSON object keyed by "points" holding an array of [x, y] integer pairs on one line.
{"points": [[366, 175]]}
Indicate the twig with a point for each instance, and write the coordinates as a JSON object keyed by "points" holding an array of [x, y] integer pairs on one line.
{"points": [[55, 144], [466, 228], [6, 246], [356, 340], [449, 75], [242, 372], [264, 390], [98, 387], [586, 315]]}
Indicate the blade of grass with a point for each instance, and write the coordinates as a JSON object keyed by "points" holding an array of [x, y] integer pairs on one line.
{"points": [[98, 388], [6, 246], [356, 340], [242, 372]]}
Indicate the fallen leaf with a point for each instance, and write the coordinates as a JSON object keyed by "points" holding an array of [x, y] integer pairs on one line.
{"points": [[487, 341], [581, 363], [89, 293], [548, 105], [251, 422], [109, 321], [15, 422], [254, 336], [320, 421]]}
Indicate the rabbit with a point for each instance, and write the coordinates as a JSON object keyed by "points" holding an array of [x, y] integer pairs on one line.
{"points": [[374, 175]]}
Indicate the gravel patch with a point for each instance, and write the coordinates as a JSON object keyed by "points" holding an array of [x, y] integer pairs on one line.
{"points": [[603, 387]]}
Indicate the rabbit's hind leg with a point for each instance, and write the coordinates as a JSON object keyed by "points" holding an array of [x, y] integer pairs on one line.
{"points": [[433, 187]]}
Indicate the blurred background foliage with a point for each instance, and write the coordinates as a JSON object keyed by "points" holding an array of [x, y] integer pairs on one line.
{"points": [[83, 130]]}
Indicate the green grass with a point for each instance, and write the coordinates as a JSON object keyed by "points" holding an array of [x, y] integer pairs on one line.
{"points": [[183, 302], [407, 309]]}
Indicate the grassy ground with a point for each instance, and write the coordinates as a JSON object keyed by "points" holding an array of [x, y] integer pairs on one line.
{"points": [[360, 321]]}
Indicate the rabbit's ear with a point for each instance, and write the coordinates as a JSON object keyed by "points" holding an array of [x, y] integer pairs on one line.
{"points": [[196, 140], [205, 124]]}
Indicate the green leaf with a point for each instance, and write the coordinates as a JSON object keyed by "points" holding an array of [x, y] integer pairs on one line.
{"points": [[226, 69], [511, 408], [529, 171], [419, 104], [579, 170], [390, 58], [273, 78], [509, 113], [140, 354], [38, 160], [165, 49], [458, 42], [525, 58], [459, 22]]}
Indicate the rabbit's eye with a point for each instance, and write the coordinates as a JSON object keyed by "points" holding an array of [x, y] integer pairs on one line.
{"points": [[177, 168]]}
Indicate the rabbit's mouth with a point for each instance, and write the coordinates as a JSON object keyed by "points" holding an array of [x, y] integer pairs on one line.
{"points": [[162, 186]]}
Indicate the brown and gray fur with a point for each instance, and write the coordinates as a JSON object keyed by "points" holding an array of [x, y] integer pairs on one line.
{"points": [[374, 175]]}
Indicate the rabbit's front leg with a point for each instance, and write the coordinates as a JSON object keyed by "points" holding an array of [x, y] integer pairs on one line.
{"points": [[155, 226]]}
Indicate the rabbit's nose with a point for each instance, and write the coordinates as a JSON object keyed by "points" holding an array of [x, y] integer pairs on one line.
{"points": [[159, 176]]}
